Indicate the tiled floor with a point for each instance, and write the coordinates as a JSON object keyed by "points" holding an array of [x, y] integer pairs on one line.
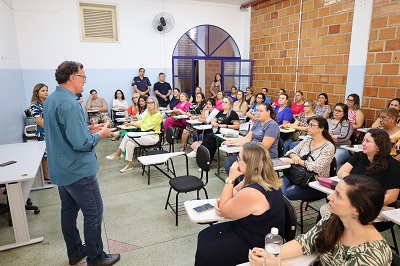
{"points": [[135, 221]]}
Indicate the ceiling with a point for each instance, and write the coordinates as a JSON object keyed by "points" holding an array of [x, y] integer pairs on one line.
{"points": [[230, 2]]}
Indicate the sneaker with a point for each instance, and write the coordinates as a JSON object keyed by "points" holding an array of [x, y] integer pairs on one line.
{"points": [[191, 154], [126, 169], [122, 156], [112, 157]]}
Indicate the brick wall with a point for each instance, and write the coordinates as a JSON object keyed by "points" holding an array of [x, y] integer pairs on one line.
{"points": [[324, 50]]}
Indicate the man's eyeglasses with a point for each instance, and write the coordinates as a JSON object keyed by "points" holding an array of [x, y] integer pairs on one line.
{"points": [[82, 76]]}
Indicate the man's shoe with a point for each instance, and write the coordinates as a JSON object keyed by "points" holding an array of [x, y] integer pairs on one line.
{"points": [[110, 259], [79, 258]]}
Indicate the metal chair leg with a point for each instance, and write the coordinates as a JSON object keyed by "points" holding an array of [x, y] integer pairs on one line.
{"points": [[169, 194], [301, 216], [205, 192], [396, 248], [176, 209]]}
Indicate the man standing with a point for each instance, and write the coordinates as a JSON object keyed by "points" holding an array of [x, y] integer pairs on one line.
{"points": [[162, 90], [73, 165], [141, 84]]}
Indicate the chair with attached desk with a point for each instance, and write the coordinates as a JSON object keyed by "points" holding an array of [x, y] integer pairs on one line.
{"points": [[170, 139], [146, 148], [290, 221], [188, 183]]}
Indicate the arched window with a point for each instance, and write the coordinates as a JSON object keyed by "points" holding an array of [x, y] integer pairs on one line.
{"points": [[204, 51]]}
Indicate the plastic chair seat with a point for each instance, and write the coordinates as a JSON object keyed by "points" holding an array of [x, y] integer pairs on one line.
{"points": [[186, 183]]}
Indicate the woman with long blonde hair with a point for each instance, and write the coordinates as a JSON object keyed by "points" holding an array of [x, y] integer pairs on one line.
{"points": [[256, 204]]}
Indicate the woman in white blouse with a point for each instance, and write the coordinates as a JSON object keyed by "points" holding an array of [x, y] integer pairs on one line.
{"points": [[119, 100]]}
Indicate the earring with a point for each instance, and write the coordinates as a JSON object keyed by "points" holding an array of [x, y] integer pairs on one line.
{"points": [[354, 217]]}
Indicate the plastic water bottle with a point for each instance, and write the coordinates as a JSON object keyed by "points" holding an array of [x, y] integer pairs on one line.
{"points": [[273, 246]]}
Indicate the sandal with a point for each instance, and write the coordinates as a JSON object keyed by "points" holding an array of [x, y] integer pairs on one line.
{"points": [[182, 148]]}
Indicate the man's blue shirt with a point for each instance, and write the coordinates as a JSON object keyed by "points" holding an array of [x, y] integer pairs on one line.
{"points": [[69, 143]]}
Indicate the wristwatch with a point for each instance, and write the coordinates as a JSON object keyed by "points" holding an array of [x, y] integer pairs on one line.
{"points": [[228, 181]]}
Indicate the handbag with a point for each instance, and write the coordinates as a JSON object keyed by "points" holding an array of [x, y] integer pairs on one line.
{"points": [[299, 175], [327, 182]]}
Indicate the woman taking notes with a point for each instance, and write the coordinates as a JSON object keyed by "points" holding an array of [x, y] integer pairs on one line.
{"points": [[255, 205]]}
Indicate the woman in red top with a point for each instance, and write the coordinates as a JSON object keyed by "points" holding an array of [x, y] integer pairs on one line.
{"points": [[298, 105]]}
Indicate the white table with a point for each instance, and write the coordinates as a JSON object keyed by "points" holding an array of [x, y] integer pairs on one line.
{"points": [[392, 215], [209, 216], [353, 148], [19, 178], [363, 129], [287, 130], [194, 121], [316, 185], [302, 260], [141, 133]]}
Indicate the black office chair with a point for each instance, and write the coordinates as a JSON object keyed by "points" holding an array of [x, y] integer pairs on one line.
{"points": [[5, 208], [188, 183], [290, 221], [384, 226], [280, 148], [146, 148], [320, 196]]}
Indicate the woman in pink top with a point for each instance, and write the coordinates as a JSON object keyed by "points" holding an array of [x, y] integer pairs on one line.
{"points": [[180, 109], [356, 116], [298, 105], [218, 100]]}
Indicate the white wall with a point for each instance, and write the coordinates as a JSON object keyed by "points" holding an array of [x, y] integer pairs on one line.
{"points": [[11, 80], [48, 33]]}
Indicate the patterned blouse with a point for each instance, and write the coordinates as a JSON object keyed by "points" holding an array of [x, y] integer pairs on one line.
{"points": [[320, 158], [373, 253], [321, 111], [37, 111]]}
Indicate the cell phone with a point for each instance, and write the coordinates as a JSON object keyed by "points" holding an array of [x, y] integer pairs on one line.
{"points": [[203, 208], [7, 163]]}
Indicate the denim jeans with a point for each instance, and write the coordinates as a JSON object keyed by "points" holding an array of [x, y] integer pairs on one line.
{"points": [[295, 192], [289, 144], [341, 156], [85, 195]]}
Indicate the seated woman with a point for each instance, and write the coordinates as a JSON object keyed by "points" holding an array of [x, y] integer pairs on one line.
{"points": [[151, 121], [233, 94], [276, 102], [341, 131], [344, 236], [227, 118], [251, 113], [218, 100], [119, 100], [39, 95], [300, 125], [142, 107], [376, 162], [265, 130], [255, 205], [298, 105], [175, 99], [250, 99], [323, 108], [194, 113], [196, 91], [315, 154], [356, 116], [240, 106], [388, 120], [395, 103], [283, 112], [180, 109], [96, 103], [130, 112]]}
